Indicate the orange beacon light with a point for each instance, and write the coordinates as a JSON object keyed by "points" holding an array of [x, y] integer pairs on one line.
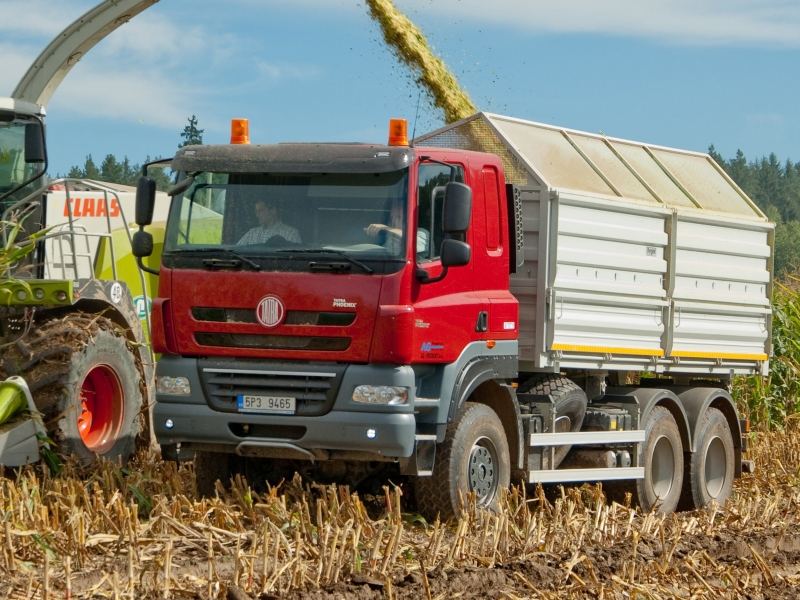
{"points": [[240, 131], [398, 132]]}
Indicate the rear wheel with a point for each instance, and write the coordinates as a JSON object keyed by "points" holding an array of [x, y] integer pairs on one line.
{"points": [[710, 470], [85, 378], [662, 458], [474, 457]]}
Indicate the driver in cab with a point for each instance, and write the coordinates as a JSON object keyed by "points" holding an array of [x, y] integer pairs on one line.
{"points": [[270, 226]]}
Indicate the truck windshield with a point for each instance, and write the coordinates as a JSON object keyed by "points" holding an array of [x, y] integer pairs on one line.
{"points": [[13, 168], [255, 214]]}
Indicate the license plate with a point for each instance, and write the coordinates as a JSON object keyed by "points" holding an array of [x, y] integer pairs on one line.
{"points": [[276, 405]]}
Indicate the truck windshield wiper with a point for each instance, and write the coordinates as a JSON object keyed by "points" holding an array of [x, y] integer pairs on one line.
{"points": [[349, 259], [254, 265]]}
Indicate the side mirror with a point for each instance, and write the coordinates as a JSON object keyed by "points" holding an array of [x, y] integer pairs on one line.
{"points": [[455, 253], [142, 244], [457, 207], [34, 143], [145, 201]]}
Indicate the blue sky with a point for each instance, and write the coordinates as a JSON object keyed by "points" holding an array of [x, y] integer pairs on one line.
{"points": [[683, 73]]}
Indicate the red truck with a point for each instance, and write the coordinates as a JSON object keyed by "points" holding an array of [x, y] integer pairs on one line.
{"points": [[343, 309]]}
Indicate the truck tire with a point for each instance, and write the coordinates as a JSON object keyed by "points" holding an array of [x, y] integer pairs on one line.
{"points": [[86, 379], [662, 458], [474, 457], [210, 467], [570, 401], [710, 469]]}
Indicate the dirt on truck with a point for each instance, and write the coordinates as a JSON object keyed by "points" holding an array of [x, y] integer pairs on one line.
{"points": [[465, 318]]}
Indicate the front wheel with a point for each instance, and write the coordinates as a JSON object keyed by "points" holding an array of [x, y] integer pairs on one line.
{"points": [[709, 473], [474, 457]]}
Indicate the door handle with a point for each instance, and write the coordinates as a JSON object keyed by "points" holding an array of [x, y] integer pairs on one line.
{"points": [[483, 322]]}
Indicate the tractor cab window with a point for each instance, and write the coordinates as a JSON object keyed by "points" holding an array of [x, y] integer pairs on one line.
{"points": [[432, 180], [13, 168]]}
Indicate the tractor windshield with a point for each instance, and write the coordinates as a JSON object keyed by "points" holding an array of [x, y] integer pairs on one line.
{"points": [[13, 168], [273, 215]]}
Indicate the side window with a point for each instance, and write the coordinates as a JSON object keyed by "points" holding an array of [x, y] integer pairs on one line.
{"points": [[492, 208], [432, 180], [203, 209]]}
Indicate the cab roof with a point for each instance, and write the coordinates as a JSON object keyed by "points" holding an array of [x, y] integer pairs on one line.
{"points": [[294, 158]]}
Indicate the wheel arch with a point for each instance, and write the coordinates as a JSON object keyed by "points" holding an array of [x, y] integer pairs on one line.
{"points": [[502, 400], [696, 401], [475, 372], [651, 397]]}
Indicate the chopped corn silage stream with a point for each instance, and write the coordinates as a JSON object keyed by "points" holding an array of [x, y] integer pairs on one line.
{"points": [[143, 533], [411, 48]]}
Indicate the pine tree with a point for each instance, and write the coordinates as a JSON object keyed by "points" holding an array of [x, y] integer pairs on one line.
{"points": [[111, 170], [90, 170], [192, 136]]}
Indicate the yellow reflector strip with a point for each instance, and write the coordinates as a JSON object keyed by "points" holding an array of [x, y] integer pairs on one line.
{"points": [[609, 350], [692, 354]]}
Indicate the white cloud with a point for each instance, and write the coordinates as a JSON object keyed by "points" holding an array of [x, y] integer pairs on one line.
{"points": [[131, 96], [693, 22], [36, 18], [687, 22], [15, 61], [146, 71], [696, 22]]}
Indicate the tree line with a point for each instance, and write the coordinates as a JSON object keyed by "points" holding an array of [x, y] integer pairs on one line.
{"points": [[775, 187], [124, 172]]}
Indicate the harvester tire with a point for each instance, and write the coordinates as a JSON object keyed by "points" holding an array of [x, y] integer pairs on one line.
{"points": [[709, 469], [570, 402], [86, 380], [474, 457], [662, 458], [210, 467]]}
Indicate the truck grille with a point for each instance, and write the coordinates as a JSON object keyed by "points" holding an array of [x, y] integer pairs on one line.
{"points": [[293, 317], [314, 386], [273, 342]]}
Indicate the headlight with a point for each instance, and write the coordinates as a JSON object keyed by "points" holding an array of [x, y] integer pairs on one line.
{"points": [[178, 386], [380, 394]]}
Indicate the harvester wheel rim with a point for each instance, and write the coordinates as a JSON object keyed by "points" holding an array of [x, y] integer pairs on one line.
{"points": [[102, 409]]}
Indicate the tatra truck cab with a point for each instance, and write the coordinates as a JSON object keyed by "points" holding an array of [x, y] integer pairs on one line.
{"points": [[473, 308]]}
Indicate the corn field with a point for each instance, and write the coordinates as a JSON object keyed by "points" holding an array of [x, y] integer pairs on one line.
{"points": [[142, 532], [774, 400]]}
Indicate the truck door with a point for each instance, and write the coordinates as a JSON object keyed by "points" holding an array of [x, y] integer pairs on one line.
{"points": [[490, 256], [447, 311]]}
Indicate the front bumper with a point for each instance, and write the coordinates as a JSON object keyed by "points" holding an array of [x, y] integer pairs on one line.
{"points": [[387, 431]]}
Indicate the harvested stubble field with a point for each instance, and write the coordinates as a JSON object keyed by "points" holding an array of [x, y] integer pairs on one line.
{"points": [[143, 533]]}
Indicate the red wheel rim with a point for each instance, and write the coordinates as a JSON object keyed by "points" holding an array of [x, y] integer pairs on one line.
{"points": [[101, 411]]}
